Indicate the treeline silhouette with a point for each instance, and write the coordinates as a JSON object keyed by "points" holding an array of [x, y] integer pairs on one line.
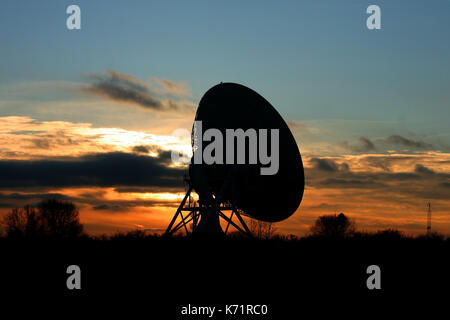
{"points": [[60, 219], [50, 218]]}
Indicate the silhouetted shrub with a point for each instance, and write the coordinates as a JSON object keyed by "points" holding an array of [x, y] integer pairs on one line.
{"points": [[433, 236], [129, 235], [333, 226], [389, 235]]}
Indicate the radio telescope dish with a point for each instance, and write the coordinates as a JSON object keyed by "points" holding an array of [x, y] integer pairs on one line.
{"points": [[241, 188]]}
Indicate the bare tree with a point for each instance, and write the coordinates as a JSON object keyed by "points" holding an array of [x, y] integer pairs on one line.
{"points": [[51, 218], [261, 229], [60, 218], [21, 221]]}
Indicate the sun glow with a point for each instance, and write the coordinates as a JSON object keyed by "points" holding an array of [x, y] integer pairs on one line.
{"points": [[158, 196]]}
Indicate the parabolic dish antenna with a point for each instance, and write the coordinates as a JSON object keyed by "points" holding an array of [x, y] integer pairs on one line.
{"points": [[240, 188]]}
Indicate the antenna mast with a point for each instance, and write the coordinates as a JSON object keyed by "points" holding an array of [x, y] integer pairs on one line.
{"points": [[429, 218]]}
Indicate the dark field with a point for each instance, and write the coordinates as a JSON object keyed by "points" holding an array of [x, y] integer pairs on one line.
{"points": [[139, 273]]}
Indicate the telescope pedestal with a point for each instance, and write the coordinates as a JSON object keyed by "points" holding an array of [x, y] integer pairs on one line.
{"points": [[205, 218]]}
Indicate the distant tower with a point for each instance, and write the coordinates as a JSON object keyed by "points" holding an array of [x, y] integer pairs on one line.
{"points": [[429, 218]]}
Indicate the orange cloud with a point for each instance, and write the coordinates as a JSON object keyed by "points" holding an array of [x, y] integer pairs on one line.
{"points": [[25, 138]]}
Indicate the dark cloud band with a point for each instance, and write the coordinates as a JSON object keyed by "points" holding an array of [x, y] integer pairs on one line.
{"points": [[100, 170]]}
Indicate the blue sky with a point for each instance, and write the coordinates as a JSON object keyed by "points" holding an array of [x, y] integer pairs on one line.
{"points": [[314, 60]]}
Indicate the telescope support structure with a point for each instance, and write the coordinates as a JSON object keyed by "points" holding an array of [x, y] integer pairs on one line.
{"points": [[194, 212]]}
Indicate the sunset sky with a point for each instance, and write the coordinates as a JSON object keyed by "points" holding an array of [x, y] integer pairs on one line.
{"points": [[88, 115]]}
